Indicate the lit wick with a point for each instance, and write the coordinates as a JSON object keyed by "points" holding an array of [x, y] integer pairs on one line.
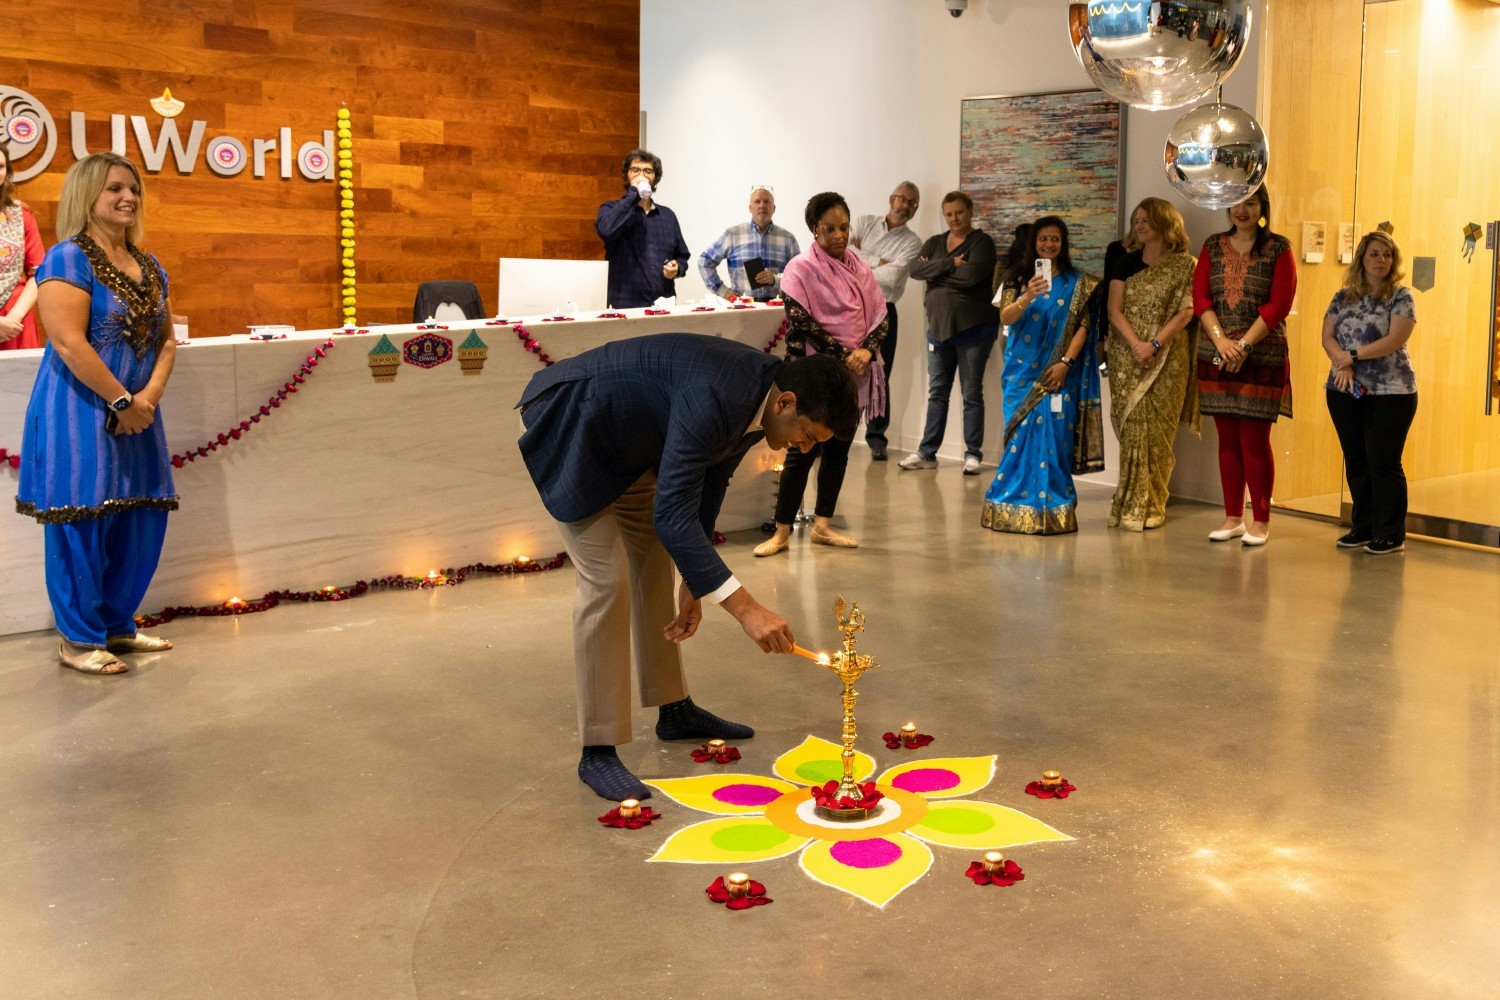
{"points": [[630, 809], [329, 589], [434, 578], [716, 745], [235, 604], [738, 885], [994, 862], [819, 658], [1051, 779]]}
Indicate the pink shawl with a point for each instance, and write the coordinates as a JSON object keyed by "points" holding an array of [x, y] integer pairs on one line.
{"points": [[842, 295], [845, 299]]}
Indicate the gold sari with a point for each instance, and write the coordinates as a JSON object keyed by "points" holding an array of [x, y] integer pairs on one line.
{"points": [[1147, 404]]}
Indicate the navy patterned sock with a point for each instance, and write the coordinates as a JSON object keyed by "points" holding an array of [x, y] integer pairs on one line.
{"points": [[601, 770], [682, 720]]}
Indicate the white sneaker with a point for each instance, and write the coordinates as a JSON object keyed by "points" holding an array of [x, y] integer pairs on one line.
{"points": [[915, 461], [971, 465]]}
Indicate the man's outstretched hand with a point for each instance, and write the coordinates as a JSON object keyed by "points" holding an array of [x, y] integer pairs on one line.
{"points": [[689, 614], [766, 628]]}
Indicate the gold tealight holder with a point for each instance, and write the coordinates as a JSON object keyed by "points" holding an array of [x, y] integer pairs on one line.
{"points": [[737, 884], [1051, 780], [630, 809], [994, 862]]}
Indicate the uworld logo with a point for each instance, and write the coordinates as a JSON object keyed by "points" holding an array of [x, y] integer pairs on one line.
{"points": [[33, 136]]}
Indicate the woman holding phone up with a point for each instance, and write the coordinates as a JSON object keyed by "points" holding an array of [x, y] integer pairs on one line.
{"points": [[1053, 425]]}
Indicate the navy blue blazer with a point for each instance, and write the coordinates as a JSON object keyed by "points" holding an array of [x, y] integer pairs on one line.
{"points": [[679, 403]]}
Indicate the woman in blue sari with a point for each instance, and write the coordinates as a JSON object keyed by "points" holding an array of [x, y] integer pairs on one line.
{"points": [[1053, 424]]}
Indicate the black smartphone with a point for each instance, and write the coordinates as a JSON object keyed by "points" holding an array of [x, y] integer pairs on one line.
{"points": [[111, 420]]}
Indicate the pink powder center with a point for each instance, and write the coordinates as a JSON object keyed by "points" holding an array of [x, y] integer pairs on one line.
{"points": [[876, 853], [746, 795], [926, 779]]}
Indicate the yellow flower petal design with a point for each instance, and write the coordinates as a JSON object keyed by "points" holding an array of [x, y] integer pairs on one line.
{"points": [[981, 826], [725, 794], [942, 777], [733, 840], [875, 870], [816, 761]]}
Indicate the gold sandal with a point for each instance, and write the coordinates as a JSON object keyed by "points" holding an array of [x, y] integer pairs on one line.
{"points": [[95, 661], [138, 643]]}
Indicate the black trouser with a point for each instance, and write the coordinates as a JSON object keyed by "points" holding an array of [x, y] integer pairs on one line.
{"points": [[794, 471], [875, 426], [1372, 432]]}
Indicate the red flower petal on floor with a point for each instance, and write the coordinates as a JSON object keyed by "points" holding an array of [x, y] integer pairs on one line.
{"points": [[1010, 875], [718, 892], [614, 819], [1060, 792]]}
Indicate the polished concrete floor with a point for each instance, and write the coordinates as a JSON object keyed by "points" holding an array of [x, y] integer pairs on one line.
{"points": [[1288, 761]]}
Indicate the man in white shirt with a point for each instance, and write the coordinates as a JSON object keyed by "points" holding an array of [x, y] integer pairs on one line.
{"points": [[889, 247]]}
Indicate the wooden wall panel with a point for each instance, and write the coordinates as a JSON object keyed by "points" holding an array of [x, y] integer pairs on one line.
{"points": [[1310, 110], [481, 130]]}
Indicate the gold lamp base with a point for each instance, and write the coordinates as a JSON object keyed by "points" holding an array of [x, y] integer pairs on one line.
{"points": [[851, 815]]}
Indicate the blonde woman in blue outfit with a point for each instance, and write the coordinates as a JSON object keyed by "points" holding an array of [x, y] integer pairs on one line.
{"points": [[95, 469], [1372, 390]]}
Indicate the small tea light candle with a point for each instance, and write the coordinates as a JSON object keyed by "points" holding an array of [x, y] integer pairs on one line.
{"points": [[716, 744], [738, 885], [1051, 779], [522, 560], [909, 731], [329, 589], [630, 808], [434, 577], [994, 861], [235, 604]]}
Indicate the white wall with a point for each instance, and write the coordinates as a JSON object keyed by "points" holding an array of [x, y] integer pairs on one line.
{"points": [[855, 96]]}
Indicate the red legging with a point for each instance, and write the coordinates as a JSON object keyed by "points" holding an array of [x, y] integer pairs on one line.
{"points": [[1245, 459]]}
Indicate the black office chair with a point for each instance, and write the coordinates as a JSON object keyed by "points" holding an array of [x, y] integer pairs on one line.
{"points": [[434, 295]]}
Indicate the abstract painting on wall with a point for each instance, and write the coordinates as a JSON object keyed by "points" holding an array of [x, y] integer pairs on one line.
{"points": [[1045, 154]]}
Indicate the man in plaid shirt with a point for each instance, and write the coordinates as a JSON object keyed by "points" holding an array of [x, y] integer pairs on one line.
{"points": [[758, 239]]}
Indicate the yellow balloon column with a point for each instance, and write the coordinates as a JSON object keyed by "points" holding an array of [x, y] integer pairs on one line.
{"points": [[346, 213]]}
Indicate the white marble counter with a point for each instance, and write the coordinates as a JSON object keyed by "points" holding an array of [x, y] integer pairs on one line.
{"points": [[350, 478]]}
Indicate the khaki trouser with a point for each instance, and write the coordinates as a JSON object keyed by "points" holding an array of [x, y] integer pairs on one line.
{"points": [[625, 596]]}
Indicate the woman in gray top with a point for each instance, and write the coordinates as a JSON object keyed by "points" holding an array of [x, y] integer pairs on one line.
{"points": [[962, 327]]}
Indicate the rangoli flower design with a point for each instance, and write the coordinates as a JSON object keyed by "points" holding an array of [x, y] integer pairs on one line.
{"points": [[762, 818]]}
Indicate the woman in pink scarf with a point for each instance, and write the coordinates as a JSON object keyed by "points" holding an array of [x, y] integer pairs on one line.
{"points": [[833, 306]]}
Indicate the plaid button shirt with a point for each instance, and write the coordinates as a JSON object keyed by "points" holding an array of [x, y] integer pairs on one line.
{"points": [[744, 242]]}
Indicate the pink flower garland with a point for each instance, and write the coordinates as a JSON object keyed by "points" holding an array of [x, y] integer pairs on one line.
{"points": [[450, 578], [235, 433]]}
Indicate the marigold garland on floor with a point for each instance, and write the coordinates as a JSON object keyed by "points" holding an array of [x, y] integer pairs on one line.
{"points": [[445, 578]]}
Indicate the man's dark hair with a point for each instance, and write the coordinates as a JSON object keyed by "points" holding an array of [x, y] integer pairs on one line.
{"points": [[818, 206], [645, 156], [825, 392]]}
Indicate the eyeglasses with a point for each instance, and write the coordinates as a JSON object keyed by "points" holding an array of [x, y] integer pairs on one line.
{"points": [[768, 189]]}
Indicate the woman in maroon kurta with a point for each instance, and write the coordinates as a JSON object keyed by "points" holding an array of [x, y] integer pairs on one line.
{"points": [[21, 253], [1242, 291]]}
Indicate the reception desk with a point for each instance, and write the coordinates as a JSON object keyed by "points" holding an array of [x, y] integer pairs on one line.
{"points": [[353, 477]]}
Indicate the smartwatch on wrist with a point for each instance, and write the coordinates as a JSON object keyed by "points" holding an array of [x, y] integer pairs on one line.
{"points": [[1156, 344], [1067, 361], [1354, 354], [1247, 347], [123, 403]]}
